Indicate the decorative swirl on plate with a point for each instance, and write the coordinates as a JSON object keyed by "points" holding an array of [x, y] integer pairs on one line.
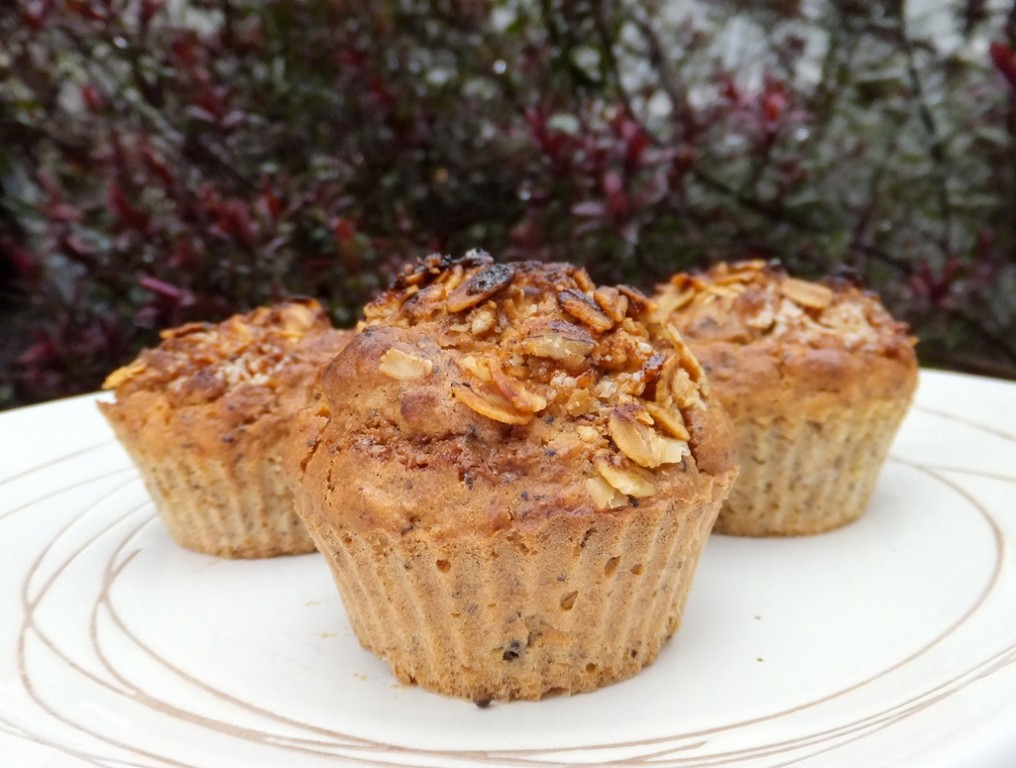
{"points": [[70, 540]]}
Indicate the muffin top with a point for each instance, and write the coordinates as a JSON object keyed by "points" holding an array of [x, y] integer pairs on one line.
{"points": [[524, 382], [236, 370], [754, 326]]}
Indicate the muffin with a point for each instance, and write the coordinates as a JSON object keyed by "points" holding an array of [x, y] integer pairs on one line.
{"points": [[511, 474], [817, 377], [206, 415]]}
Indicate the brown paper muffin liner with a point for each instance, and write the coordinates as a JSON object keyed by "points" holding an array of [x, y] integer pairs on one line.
{"points": [[800, 476], [582, 602], [236, 510]]}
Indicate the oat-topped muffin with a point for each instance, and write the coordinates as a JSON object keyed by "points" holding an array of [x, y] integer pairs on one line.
{"points": [[817, 377], [206, 416], [512, 474]]}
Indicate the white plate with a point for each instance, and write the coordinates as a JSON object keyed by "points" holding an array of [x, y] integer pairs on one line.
{"points": [[888, 643]]}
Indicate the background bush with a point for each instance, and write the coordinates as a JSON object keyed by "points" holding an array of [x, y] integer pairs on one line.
{"points": [[161, 163]]}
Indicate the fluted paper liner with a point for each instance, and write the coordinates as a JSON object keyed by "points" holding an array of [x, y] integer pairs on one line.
{"points": [[240, 509], [579, 602], [802, 476]]}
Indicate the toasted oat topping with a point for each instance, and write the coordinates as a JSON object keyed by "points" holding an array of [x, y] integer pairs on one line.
{"points": [[201, 361], [751, 300], [585, 368]]}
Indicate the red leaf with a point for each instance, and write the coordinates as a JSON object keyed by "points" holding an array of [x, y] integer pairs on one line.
{"points": [[148, 9], [634, 137], [48, 182], [730, 91], [85, 9], [380, 91], [773, 105], [77, 246], [350, 57], [617, 200], [591, 208], [25, 262], [537, 122], [36, 14], [274, 245], [156, 165], [774, 101], [123, 209], [233, 118], [58, 211], [209, 99], [182, 256], [90, 95], [40, 353], [1004, 58], [612, 183], [169, 291], [552, 143], [343, 230], [270, 202], [234, 219], [185, 49], [635, 148]]}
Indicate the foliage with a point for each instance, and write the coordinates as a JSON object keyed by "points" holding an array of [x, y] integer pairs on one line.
{"points": [[166, 162]]}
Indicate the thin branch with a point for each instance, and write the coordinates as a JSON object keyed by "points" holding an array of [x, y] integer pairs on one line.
{"points": [[773, 213], [677, 95], [861, 227], [1004, 345], [1010, 119], [780, 215], [938, 152], [833, 77], [604, 32]]}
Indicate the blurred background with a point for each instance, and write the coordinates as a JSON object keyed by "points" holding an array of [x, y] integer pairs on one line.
{"points": [[163, 161]]}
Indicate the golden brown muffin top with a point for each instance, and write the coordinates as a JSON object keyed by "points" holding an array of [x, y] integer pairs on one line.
{"points": [[522, 374], [751, 300], [753, 326], [202, 362]]}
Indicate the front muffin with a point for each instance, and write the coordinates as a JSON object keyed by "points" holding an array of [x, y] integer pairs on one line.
{"points": [[512, 476], [817, 377], [206, 417]]}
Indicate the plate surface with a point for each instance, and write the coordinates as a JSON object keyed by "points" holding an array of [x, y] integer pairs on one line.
{"points": [[890, 642]]}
